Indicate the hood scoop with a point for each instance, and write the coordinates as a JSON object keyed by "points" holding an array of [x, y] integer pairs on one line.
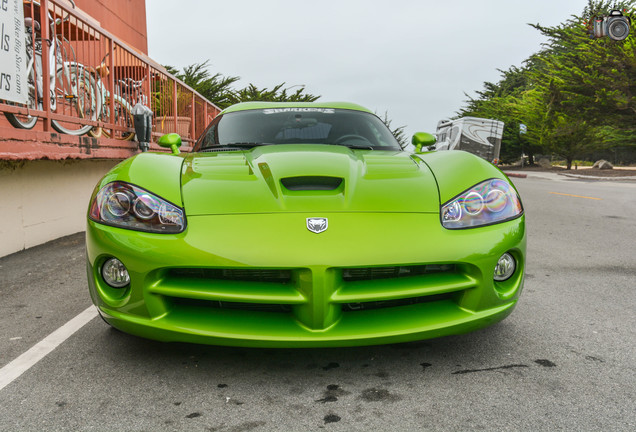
{"points": [[311, 183], [311, 179]]}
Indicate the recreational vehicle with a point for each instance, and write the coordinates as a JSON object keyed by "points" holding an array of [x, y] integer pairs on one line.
{"points": [[479, 136]]}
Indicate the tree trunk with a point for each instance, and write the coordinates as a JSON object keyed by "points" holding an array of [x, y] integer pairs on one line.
{"points": [[568, 163]]}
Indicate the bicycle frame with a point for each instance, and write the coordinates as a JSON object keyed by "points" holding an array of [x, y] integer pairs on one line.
{"points": [[34, 67], [121, 107], [70, 73]]}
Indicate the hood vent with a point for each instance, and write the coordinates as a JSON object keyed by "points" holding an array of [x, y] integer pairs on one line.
{"points": [[309, 183]]}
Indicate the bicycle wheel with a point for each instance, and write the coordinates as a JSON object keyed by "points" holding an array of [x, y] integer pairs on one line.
{"points": [[123, 118], [96, 132], [22, 121], [25, 121], [76, 96]]}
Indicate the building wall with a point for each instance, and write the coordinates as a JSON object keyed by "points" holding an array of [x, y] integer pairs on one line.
{"points": [[126, 19], [43, 200]]}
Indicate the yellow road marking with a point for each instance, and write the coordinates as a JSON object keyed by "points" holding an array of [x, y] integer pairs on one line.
{"points": [[576, 196]]}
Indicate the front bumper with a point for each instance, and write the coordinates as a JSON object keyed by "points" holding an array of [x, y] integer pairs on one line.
{"points": [[265, 280]]}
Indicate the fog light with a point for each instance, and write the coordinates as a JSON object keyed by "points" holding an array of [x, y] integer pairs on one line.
{"points": [[505, 267], [115, 273]]}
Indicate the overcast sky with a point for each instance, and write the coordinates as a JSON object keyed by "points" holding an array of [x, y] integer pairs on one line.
{"points": [[414, 59]]}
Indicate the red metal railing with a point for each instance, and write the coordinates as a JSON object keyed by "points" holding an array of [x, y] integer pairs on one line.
{"points": [[98, 79]]}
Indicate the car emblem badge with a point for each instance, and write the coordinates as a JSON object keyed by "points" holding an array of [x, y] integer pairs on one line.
{"points": [[317, 224]]}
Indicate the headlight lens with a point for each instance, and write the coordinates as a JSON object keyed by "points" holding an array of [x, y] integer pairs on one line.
{"points": [[489, 202], [127, 206]]}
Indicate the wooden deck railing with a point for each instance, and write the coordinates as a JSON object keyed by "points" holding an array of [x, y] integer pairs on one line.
{"points": [[98, 80]]}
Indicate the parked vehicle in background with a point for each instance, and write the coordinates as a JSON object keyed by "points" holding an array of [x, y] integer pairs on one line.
{"points": [[479, 136]]}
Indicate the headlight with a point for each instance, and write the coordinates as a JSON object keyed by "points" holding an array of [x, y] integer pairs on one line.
{"points": [[489, 202], [124, 205]]}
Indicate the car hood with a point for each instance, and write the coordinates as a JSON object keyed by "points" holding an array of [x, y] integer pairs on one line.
{"points": [[306, 178]]}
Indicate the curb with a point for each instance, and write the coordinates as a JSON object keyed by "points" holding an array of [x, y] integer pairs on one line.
{"points": [[578, 176], [515, 175]]}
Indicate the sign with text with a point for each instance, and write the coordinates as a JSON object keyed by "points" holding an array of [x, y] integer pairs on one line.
{"points": [[13, 61]]}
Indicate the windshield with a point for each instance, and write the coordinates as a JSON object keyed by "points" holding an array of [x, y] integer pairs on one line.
{"points": [[354, 129]]}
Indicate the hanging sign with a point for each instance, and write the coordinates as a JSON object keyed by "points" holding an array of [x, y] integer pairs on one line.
{"points": [[13, 59]]}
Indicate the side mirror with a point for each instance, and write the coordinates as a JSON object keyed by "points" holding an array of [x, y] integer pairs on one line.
{"points": [[171, 141], [422, 139]]}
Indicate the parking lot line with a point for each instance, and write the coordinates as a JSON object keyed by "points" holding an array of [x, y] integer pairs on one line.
{"points": [[576, 196], [24, 362]]}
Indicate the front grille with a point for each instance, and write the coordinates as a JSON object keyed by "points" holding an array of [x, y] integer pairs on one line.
{"points": [[349, 307], [255, 307], [370, 273], [238, 274], [289, 291]]}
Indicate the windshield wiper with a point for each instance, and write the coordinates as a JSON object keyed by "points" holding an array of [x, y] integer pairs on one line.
{"points": [[245, 144], [235, 145], [358, 147]]}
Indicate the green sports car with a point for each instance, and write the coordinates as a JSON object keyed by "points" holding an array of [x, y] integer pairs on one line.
{"points": [[303, 225]]}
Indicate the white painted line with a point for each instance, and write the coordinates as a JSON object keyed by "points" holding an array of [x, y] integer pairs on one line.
{"points": [[17, 367]]}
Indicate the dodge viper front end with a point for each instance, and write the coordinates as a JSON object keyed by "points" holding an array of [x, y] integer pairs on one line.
{"points": [[303, 225]]}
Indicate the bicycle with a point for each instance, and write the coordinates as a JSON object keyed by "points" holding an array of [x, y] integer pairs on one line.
{"points": [[67, 82], [122, 104]]}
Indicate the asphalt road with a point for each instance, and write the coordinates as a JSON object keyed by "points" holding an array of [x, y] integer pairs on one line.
{"points": [[564, 360]]}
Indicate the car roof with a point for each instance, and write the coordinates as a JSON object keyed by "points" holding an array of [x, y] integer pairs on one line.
{"points": [[244, 106]]}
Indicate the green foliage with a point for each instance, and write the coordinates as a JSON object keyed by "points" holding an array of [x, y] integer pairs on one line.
{"points": [[220, 90], [276, 94], [397, 132], [215, 88], [576, 96], [500, 101]]}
